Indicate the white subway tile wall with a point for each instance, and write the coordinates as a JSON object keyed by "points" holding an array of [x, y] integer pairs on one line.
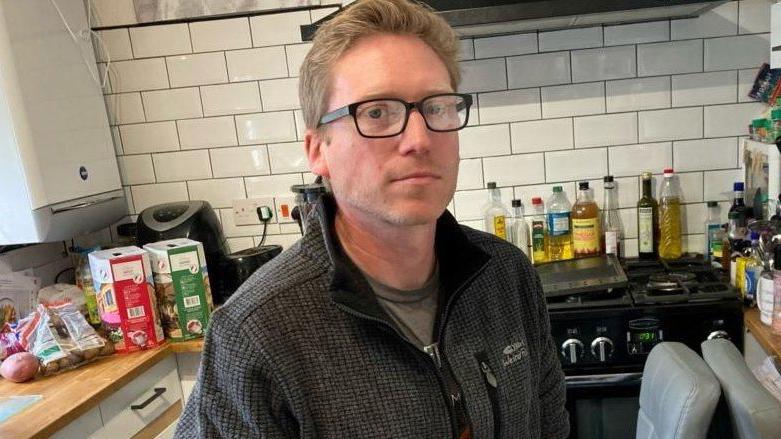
{"points": [[209, 110], [260, 63]]}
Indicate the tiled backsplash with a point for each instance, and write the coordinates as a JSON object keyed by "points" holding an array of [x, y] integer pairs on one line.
{"points": [[209, 110]]}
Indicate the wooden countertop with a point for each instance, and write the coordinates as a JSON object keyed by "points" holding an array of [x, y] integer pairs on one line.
{"points": [[68, 395], [770, 342], [187, 346]]}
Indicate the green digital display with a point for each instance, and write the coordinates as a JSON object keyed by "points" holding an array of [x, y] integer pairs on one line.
{"points": [[647, 336]]}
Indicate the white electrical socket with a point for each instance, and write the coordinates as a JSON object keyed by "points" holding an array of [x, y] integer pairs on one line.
{"points": [[285, 205], [245, 210]]}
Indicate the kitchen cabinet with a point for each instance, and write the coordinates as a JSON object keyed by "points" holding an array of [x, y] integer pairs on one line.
{"points": [[95, 400], [760, 340]]}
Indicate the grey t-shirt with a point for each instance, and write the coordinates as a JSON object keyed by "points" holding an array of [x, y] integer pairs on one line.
{"points": [[413, 311]]}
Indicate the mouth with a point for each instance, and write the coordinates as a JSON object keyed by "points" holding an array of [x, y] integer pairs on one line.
{"points": [[417, 178]]}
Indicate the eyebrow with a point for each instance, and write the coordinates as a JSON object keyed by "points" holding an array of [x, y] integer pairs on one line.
{"points": [[381, 95]]}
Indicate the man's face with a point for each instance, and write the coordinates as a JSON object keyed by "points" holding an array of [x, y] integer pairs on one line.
{"points": [[407, 179]]}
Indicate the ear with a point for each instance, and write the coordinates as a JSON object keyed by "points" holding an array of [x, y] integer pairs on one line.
{"points": [[314, 146]]}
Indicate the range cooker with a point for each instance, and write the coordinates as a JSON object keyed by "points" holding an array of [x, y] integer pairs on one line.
{"points": [[604, 335]]}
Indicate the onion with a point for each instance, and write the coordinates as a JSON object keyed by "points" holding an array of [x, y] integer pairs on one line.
{"points": [[19, 367]]}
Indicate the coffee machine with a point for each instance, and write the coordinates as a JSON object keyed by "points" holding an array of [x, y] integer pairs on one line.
{"points": [[198, 221]]}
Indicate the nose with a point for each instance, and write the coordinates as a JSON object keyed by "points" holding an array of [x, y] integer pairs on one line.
{"points": [[416, 137]]}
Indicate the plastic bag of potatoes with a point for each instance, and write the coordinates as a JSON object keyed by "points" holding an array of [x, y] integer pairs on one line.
{"points": [[61, 338]]}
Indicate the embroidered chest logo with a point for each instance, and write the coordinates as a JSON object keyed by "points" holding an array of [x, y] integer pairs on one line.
{"points": [[513, 353]]}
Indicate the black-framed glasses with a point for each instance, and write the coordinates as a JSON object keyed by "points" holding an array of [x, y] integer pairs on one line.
{"points": [[376, 118]]}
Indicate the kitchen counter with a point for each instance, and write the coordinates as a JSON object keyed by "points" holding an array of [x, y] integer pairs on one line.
{"points": [[69, 395], [770, 342]]}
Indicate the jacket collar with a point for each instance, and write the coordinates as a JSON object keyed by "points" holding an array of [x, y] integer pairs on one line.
{"points": [[458, 259]]}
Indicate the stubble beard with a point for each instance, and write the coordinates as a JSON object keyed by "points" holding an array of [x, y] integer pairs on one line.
{"points": [[372, 204]]}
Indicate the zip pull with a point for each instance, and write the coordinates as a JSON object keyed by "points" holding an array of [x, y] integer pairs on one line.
{"points": [[490, 378], [433, 351]]}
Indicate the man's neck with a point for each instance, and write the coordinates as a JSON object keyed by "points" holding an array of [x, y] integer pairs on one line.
{"points": [[400, 257]]}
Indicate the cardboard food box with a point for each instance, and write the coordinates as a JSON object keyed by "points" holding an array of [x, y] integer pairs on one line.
{"points": [[126, 298], [182, 286]]}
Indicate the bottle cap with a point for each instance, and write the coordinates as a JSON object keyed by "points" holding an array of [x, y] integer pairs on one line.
{"points": [[607, 178], [713, 203], [491, 185], [516, 203], [668, 171], [754, 235], [647, 176], [583, 185], [556, 189], [738, 186], [536, 200]]}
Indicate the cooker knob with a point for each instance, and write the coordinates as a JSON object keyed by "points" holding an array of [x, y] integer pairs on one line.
{"points": [[718, 334], [602, 348], [572, 350]]}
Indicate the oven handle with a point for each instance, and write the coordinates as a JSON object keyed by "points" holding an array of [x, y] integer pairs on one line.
{"points": [[613, 379]]}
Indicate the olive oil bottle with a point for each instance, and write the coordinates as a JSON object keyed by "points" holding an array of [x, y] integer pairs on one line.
{"points": [[647, 221]]}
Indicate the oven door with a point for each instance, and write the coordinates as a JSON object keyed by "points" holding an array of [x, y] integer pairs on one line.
{"points": [[603, 406]]}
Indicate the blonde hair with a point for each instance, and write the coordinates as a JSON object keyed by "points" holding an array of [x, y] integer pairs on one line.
{"points": [[361, 19]]}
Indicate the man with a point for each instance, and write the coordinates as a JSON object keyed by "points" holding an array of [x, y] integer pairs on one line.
{"points": [[387, 319]]}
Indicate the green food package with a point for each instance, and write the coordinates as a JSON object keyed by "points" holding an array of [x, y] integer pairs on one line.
{"points": [[182, 287]]}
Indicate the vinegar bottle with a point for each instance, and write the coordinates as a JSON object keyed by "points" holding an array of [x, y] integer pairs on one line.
{"points": [[585, 223]]}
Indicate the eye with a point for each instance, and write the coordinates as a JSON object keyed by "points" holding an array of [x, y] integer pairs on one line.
{"points": [[434, 109], [375, 112]]}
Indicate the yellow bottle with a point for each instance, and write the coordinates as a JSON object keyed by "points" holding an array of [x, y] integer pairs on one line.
{"points": [[670, 217], [585, 223], [539, 232]]}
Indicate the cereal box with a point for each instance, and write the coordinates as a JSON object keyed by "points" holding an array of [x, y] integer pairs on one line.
{"points": [[126, 300], [182, 287]]}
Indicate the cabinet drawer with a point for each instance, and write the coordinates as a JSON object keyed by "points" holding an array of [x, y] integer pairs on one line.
{"points": [[86, 426], [141, 401]]}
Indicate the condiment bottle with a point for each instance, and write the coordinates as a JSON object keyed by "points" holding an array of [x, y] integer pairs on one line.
{"points": [[713, 233], [495, 213], [670, 217], [559, 226], [539, 232], [647, 221], [776, 324], [611, 222], [520, 230], [585, 223]]}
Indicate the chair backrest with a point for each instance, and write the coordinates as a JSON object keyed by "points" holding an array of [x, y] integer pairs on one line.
{"points": [[754, 412], [678, 394]]}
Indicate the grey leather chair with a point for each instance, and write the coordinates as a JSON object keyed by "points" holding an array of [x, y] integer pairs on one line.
{"points": [[678, 394], [754, 412]]}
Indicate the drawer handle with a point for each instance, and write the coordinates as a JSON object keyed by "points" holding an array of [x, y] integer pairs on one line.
{"points": [[158, 391]]}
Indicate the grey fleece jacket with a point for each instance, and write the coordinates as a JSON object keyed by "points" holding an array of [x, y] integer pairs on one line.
{"points": [[303, 350]]}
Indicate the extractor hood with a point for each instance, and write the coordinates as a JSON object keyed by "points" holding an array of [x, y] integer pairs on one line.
{"points": [[472, 18]]}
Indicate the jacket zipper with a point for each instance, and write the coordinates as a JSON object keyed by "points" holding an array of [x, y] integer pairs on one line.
{"points": [[451, 391], [439, 348], [491, 387]]}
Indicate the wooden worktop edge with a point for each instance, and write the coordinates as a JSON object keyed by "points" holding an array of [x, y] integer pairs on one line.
{"points": [[85, 406], [770, 342]]}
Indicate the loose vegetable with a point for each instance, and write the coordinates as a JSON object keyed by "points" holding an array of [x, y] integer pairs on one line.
{"points": [[19, 367]]}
